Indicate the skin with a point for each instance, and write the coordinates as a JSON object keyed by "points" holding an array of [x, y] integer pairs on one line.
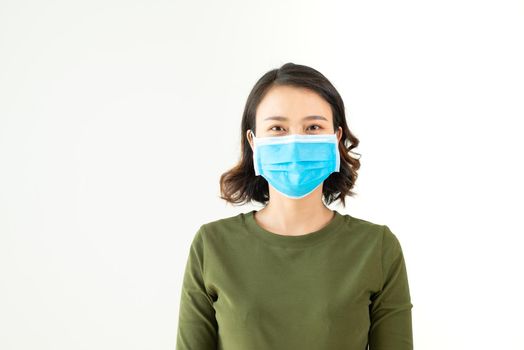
{"points": [[283, 215]]}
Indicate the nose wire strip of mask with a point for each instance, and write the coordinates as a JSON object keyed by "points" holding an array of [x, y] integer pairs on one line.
{"points": [[298, 138]]}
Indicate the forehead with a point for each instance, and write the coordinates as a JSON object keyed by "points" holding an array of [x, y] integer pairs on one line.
{"points": [[291, 102]]}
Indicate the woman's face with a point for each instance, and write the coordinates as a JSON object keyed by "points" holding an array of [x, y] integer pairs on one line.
{"points": [[286, 110]]}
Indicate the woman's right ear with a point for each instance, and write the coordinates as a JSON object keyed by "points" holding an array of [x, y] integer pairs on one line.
{"points": [[249, 136]]}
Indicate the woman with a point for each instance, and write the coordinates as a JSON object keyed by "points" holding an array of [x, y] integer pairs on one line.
{"points": [[294, 274]]}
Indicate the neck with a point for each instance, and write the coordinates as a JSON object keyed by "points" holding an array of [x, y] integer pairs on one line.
{"points": [[296, 215]]}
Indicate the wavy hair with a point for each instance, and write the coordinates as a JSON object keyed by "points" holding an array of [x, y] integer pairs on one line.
{"points": [[240, 185]]}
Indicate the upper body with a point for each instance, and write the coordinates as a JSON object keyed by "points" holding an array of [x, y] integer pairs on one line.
{"points": [[343, 286], [295, 274]]}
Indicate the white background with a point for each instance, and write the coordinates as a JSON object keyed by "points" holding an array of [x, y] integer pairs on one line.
{"points": [[117, 119]]}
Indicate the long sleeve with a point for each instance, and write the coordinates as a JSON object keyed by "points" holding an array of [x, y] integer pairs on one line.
{"points": [[390, 309], [197, 325]]}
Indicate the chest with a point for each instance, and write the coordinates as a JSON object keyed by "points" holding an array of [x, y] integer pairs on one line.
{"points": [[294, 289]]}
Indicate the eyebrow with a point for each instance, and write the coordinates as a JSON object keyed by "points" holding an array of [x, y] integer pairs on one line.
{"points": [[309, 117]]}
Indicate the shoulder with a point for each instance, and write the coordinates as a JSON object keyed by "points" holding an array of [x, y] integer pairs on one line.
{"points": [[222, 228], [362, 224], [364, 227], [380, 233], [385, 239]]}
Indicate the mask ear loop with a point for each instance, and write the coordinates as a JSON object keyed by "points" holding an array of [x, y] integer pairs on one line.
{"points": [[254, 153]]}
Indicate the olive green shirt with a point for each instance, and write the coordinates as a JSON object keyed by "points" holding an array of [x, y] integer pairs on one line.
{"points": [[342, 287]]}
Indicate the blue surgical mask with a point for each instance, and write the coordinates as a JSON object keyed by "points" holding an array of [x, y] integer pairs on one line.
{"points": [[295, 165]]}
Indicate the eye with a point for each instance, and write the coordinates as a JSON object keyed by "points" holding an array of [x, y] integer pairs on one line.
{"points": [[275, 126], [319, 127]]}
